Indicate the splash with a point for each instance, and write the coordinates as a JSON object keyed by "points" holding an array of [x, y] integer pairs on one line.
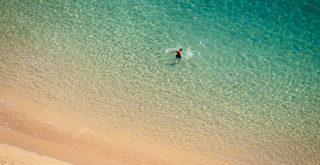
{"points": [[189, 54]]}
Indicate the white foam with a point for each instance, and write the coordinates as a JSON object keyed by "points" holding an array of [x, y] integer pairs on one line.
{"points": [[189, 54]]}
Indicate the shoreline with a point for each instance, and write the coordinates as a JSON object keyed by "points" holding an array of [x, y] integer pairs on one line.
{"points": [[24, 124], [14, 155], [137, 153], [42, 148]]}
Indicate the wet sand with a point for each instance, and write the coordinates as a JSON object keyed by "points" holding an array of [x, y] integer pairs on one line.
{"points": [[14, 155], [19, 148], [27, 134]]}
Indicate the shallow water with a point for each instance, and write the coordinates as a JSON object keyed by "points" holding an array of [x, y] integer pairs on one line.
{"points": [[250, 79]]}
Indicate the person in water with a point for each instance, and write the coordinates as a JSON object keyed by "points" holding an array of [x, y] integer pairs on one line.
{"points": [[179, 54]]}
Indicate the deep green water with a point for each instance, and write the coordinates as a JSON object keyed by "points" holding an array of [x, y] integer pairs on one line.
{"points": [[250, 80]]}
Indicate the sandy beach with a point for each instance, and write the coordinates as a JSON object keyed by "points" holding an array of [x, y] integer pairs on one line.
{"points": [[17, 148], [14, 155], [38, 142], [99, 82]]}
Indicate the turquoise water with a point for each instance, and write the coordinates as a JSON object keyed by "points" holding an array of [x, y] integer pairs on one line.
{"points": [[249, 81]]}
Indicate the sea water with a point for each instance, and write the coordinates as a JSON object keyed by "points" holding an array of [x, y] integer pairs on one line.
{"points": [[249, 78]]}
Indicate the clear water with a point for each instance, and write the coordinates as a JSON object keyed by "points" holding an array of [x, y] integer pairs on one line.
{"points": [[250, 79]]}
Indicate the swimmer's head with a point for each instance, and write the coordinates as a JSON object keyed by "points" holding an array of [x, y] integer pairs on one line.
{"points": [[180, 49]]}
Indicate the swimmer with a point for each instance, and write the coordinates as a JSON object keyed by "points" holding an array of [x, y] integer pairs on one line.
{"points": [[178, 55]]}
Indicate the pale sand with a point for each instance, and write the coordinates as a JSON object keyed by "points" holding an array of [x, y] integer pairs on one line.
{"points": [[36, 151], [13, 155], [42, 147], [21, 117]]}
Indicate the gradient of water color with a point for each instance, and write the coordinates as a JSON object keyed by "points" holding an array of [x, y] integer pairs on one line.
{"points": [[250, 79]]}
